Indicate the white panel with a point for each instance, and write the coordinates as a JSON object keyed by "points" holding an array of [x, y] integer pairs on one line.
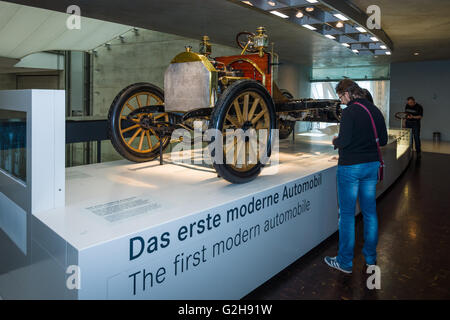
{"points": [[42, 174], [48, 132], [13, 221], [59, 134], [231, 274]]}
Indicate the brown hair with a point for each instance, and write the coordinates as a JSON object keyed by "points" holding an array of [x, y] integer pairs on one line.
{"points": [[350, 86]]}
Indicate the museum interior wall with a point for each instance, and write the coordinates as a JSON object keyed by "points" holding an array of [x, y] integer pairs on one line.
{"points": [[7, 81], [428, 82], [32, 80], [140, 57]]}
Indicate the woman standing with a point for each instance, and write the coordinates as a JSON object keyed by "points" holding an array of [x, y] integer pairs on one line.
{"points": [[357, 172]]}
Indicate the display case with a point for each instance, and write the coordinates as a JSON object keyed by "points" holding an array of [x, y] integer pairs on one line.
{"points": [[13, 143], [32, 139]]}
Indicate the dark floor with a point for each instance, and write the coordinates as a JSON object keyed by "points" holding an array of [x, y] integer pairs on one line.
{"points": [[413, 249]]}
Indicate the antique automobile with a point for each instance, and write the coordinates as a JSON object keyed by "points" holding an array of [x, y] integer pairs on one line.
{"points": [[230, 92]]}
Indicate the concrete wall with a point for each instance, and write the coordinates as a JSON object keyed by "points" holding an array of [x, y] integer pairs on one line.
{"points": [[36, 80], [140, 58], [428, 82], [7, 81]]}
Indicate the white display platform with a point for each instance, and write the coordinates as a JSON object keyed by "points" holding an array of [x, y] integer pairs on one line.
{"points": [[145, 231]]}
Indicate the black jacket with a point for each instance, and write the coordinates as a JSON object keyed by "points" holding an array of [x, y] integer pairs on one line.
{"points": [[356, 140], [416, 110]]}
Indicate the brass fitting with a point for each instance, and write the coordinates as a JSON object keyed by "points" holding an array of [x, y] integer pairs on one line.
{"points": [[261, 40], [205, 46]]}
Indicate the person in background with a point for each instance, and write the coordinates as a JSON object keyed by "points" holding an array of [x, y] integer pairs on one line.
{"points": [[357, 173], [415, 111]]}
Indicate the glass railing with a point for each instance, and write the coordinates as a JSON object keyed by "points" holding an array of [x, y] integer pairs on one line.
{"points": [[403, 138]]}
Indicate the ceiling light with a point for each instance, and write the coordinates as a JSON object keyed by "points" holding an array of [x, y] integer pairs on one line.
{"points": [[388, 53], [248, 3], [383, 47], [339, 24], [374, 39], [312, 1], [310, 9], [416, 53], [361, 29], [355, 51], [279, 14], [307, 26], [329, 36], [272, 3], [341, 17], [299, 14], [345, 45]]}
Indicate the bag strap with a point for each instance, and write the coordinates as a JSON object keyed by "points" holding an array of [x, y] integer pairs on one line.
{"points": [[376, 139]]}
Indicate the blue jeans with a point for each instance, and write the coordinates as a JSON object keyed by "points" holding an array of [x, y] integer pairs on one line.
{"points": [[353, 180]]}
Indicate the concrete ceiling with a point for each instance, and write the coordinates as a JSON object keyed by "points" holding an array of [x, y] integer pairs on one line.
{"points": [[25, 30], [221, 20], [421, 26]]}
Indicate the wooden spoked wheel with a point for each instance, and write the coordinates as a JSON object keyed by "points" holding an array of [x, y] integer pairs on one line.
{"points": [[244, 118], [248, 111], [136, 137], [142, 140]]}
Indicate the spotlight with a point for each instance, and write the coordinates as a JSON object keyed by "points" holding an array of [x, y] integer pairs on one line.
{"points": [[279, 14], [416, 53], [299, 14], [339, 24], [309, 9], [341, 17], [272, 3], [307, 26], [248, 3], [361, 29], [388, 53]]}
